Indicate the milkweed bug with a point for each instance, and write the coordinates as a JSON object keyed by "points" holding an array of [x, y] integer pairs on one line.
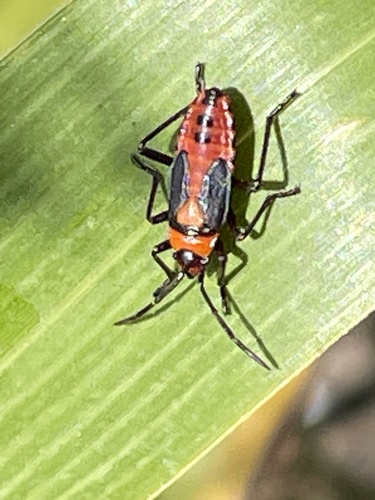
{"points": [[199, 194]]}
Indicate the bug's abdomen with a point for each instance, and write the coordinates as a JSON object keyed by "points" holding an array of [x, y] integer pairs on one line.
{"points": [[207, 131]]}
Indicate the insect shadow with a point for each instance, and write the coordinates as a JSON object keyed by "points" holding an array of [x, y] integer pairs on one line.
{"points": [[244, 174]]}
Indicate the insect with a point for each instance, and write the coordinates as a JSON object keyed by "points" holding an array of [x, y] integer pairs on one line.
{"points": [[199, 194]]}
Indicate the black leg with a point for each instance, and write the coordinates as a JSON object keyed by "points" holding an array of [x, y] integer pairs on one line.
{"points": [[268, 202], [154, 154], [162, 247], [160, 293], [256, 184], [222, 258], [157, 179], [163, 290], [227, 328], [158, 156], [270, 120]]}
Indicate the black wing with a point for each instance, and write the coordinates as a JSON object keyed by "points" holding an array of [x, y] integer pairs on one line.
{"points": [[179, 184], [214, 197]]}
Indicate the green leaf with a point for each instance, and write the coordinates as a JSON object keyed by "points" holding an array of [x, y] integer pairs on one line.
{"points": [[93, 411]]}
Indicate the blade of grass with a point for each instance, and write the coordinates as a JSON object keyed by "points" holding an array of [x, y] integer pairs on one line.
{"points": [[90, 410]]}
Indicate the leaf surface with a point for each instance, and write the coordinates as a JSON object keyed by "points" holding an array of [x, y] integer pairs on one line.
{"points": [[93, 411]]}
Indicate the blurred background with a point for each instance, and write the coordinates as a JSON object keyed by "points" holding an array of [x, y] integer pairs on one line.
{"points": [[18, 20], [312, 440]]}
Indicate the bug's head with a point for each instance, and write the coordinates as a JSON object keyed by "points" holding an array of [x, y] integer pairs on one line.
{"points": [[191, 263]]}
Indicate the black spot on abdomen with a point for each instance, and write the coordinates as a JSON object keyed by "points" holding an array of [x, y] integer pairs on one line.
{"points": [[202, 138], [205, 120]]}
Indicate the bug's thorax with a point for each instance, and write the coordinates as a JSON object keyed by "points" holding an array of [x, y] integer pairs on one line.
{"points": [[194, 241]]}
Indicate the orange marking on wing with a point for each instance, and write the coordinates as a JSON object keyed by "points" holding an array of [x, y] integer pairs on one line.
{"points": [[190, 214]]}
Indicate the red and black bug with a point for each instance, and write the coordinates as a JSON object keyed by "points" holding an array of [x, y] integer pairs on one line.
{"points": [[199, 194]]}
